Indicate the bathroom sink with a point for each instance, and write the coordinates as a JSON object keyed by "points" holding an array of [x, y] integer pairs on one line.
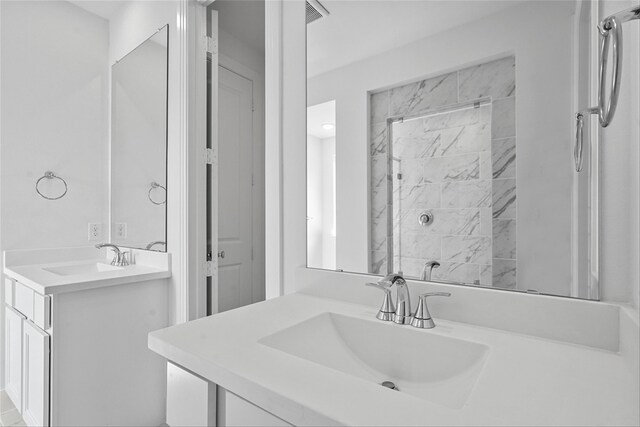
{"points": [[86, 268], [420, 363]]}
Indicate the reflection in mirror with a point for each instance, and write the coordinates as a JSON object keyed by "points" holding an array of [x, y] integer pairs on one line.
{"points": [[453, 143], [139, 146], [321, 185]]}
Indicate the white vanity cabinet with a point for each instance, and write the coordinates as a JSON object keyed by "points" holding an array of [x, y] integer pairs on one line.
{"points": [[194, 401], [35, 375], [13, 322], [27, 349], [95, 369]]}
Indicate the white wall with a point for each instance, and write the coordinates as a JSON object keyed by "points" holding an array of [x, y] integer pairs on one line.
{"points": [[54, 115], [620, 186], [286, 94], [321, 242], [328, 203], [240, 52], [315, 199], [285, 154], [543, 99]]}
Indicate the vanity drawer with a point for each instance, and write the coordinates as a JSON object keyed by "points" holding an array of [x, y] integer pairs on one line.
{"points": [[8, 291], [23, 299], [32, 305], [42, 311]]}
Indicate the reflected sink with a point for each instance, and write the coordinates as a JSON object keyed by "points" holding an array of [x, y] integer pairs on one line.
{"points": [[87, 268], [423, 364]]}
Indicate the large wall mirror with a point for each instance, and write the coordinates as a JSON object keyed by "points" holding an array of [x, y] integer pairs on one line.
{"points": [[139, 146], [440, 142]]}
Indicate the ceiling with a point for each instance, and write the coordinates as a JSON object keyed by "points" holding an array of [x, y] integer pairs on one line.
{"points": [[103, 8], [319, 114], [358, 29], [242, 19]]}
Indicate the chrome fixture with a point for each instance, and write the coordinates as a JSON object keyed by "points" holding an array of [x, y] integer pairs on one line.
{"points": [[387, 309], [428, 266], [610, 30], [119, 257], [152, 244], [50, 175], [422, 319], [402, 313], [155, 185], [425, 218]]}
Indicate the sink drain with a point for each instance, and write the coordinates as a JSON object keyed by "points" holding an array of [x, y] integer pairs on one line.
{"points": [[389, 384]]}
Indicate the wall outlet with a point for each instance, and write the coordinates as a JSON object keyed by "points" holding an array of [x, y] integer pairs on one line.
{"points": [[121, 230], [95, 231]]}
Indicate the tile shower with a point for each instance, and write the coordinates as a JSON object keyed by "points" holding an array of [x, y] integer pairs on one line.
{"points": [[453, 155]]}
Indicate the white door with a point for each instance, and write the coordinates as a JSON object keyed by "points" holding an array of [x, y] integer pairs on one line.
{"points": [[235, 168], [35, 366], [13, 355]]}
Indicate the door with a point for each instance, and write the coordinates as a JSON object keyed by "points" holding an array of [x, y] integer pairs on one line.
{"points": [[13, 355], [235, 192], [35, 364]]}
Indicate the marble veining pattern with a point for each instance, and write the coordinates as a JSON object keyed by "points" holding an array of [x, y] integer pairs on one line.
{"points": [[504, 273], [503, 158], [496, 79], [423, 95], [504, 198], [459, 164], [504, 238], [379, 140]]}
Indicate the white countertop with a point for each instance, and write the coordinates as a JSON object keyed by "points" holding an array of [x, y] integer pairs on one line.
{"points": [[29, 268], [525, 380]]}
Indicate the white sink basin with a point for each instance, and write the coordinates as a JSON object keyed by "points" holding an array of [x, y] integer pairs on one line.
{"points": [[420, 363], [86, 268]]}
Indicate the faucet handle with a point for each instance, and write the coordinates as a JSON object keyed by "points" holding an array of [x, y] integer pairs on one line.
{"points": [[387, 309], [382, 285], [434, 294], [126, 258], [422, 318]]}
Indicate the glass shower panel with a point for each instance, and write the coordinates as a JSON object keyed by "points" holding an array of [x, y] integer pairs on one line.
{"points": [[442, 179]]}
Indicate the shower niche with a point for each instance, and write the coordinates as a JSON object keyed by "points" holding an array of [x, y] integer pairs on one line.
{"points": [[443, 176]]}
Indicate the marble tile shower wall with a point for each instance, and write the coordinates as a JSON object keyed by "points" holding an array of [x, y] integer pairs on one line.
{"points": [[459, 165]]}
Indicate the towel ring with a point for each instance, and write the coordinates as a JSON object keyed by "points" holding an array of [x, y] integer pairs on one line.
{"points": [[155, 185], [610, 30], [611, 34], [51, 175]]}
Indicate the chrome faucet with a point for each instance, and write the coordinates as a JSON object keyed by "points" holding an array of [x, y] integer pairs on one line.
{"points": [[401, 314], [428, 267], [152, 244], [119, 257]]}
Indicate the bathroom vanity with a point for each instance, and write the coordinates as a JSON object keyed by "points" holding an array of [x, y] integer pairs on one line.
{"points": [[319, 356], [75, 334]]}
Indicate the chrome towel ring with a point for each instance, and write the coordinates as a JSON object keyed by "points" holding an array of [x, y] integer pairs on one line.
{"points": [[51, 175], [610, 30], [155, 185], [610, 35]]}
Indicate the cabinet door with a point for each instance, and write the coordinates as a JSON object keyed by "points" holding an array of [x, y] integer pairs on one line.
{"points": [[13, 355], [35, 364]]}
